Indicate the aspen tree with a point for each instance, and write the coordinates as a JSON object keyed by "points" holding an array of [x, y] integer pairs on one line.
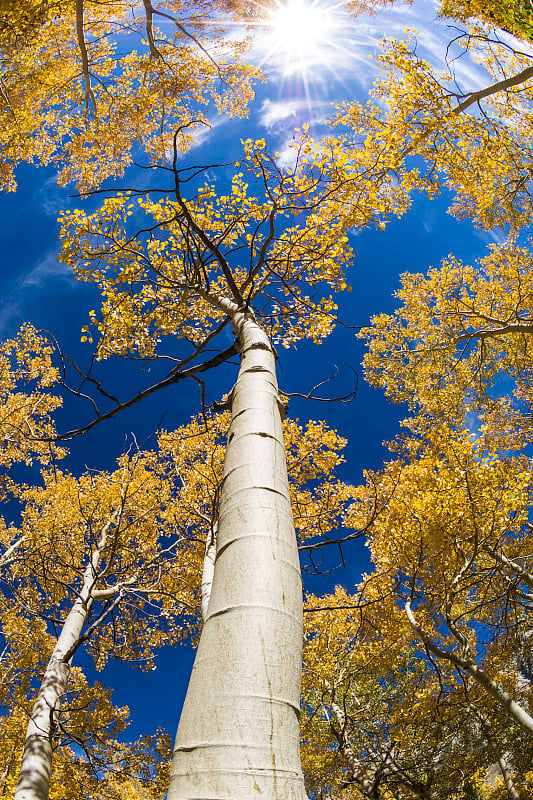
{"points": [[453, 535], [91, 546], [85, 740], [207, 263], [374, 721], [118, 557], [90, 753], [384, 719]]}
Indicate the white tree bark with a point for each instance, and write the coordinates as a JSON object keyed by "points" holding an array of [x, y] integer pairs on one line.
{"points": [[238, 733], [502, 762], [208, 570], [359, 771], [36, 766]]}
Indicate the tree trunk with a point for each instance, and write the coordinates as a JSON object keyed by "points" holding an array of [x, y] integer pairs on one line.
{"points": [[36, 766], [34, 776], [238, 733]]}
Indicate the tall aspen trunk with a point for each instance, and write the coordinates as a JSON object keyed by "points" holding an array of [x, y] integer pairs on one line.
{"points": [[238, 734], [36, 766]]}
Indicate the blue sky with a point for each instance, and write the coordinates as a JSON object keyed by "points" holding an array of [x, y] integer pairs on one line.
{"points": [[37, 288]]}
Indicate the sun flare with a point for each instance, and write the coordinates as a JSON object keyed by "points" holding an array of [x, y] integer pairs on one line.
{"points": [[301, 33]]}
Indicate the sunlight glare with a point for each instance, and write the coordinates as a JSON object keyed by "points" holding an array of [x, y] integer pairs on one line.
{"points": [[300, 33]]}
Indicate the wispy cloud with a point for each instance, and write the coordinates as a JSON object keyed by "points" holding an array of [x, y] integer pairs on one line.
{"points": [[200, 135], [24, 292], [45, 271], [273, 112], [51, 198], [276, 115], [11, 316], [429, 218], [286, 155], [496, 236]]}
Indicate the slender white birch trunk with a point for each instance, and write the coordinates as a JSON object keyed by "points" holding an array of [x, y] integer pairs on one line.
{"points": [[359, 772], [238, 733], [208, 570], [36, 766], [502, 762]]}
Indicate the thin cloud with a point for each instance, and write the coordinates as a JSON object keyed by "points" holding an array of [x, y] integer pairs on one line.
{"points": [[11, 317], [45, 271], [274, 112], [50, 197], [199, 135], [495, 236], [286, 156], [23, 294]]}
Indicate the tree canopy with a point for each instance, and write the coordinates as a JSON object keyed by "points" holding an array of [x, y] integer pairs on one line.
{"points": [[417, 673], [86, 84]]}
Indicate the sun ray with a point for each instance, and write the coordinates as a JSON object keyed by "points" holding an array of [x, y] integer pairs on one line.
{"points": [[300, 33]]}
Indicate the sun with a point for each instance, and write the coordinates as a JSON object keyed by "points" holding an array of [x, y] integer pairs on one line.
{"points": [[301, 33]]}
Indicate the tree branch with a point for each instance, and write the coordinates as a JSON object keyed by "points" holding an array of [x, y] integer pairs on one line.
{"points": [[84, 58], [513, 709], [173, 378], [494, 88]]}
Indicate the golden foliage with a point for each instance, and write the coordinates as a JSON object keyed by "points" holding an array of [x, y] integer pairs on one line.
{"points": [[27, 401], [420, 132], [162, 266], [514, 16], [83, 83], [459, 346], [137, 535], [451, 537]]}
